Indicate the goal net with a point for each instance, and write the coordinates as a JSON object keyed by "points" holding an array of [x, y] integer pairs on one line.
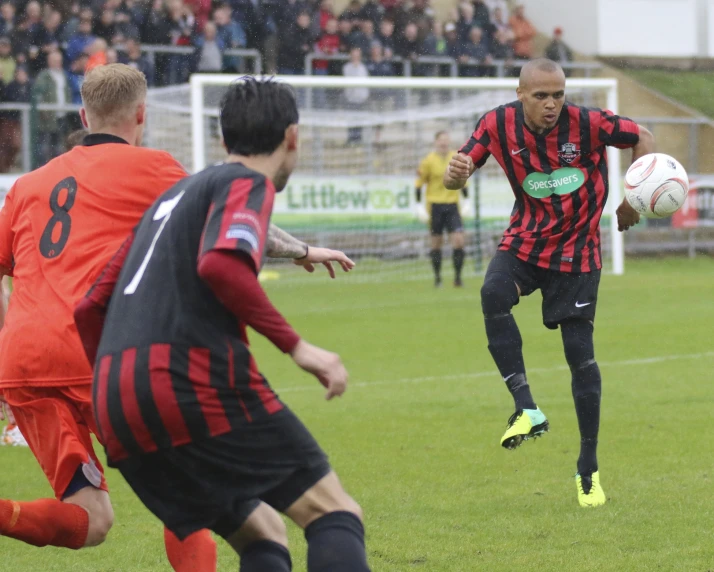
{"points": [[361, 141]]}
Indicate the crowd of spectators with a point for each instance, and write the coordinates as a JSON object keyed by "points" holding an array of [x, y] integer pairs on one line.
{"points": [[45, 49]]}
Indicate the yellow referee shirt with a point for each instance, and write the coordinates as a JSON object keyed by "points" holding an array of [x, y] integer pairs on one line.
{"points": [[431, 173]]}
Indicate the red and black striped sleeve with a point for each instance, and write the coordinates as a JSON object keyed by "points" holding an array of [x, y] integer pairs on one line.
{"points": [[478, 146], [617, 131], [238, 219]]}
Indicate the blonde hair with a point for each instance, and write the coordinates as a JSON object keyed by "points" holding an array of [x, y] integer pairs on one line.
{"points": [[110, 93]]}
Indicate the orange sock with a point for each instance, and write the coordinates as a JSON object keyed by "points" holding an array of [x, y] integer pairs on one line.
{"points": [[45, 522], [197, 552]]}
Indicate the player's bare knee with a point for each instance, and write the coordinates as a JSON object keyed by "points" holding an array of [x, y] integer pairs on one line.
{"points": [[99, 526], [273, 528], [99, 509], [325, 497], [319, 509], [457, 240], [354, 507], [264, 523]]}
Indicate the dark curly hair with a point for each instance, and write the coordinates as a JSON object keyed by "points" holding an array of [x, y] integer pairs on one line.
{"points": [[255, 114]]}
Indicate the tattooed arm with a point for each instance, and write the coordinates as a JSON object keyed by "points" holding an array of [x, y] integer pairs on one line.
{"points": [[281, 244], [284, 245]]}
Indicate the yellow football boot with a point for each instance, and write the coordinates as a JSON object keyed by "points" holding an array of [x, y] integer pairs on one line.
{"points": [[524, 424], [590, 492]]}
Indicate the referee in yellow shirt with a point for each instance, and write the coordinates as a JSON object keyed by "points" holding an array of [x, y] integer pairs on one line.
{"points": [[442, 207]]}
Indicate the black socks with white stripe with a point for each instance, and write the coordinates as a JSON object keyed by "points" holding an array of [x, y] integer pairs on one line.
{"points": [[506, 347]]}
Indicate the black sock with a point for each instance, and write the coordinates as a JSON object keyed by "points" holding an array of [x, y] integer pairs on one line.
{"points": [[436, 262], [506, 347], [458, 257], [587, 461], [586, 385], [521, 391], [265, 555], [335, 543]]}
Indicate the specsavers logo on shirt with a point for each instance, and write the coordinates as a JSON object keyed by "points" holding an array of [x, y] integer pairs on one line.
{"points": [[561, 182]]}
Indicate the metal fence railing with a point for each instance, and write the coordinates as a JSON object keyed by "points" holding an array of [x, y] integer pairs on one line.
{"points": [[692, 124], [153, 49], [498, 67]]}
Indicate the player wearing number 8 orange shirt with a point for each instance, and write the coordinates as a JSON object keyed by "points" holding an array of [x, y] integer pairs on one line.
{"points": [[59, 227]]}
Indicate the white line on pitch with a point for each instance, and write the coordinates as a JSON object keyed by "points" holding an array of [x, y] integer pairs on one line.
{"points": [[493, 373]]}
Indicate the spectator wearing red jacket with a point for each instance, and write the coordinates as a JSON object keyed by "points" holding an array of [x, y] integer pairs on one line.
{"points": [[329, 44], [201, 10], [325, 14]]}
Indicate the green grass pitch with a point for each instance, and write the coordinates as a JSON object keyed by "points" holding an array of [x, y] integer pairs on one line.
{"points": [[416, 438]]}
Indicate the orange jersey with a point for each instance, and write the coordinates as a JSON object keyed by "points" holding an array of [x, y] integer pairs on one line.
{"points": [[60, 226]]}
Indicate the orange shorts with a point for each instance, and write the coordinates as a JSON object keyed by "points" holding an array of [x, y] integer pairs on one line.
{"points": [[58, 423]]}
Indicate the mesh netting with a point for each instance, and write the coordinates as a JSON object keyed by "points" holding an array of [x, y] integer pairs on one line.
{"points": [[359, 151]]}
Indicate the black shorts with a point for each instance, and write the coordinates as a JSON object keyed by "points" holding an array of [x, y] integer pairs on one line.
{"points": [[445, 216], [216, 483], [565, 294]]}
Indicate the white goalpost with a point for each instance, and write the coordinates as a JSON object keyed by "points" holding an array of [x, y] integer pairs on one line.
{"points": [[361, 140]]}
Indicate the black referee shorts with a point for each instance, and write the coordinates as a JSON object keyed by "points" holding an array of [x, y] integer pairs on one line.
{"points": [[217, 482], [445, 217], [565, 294]]}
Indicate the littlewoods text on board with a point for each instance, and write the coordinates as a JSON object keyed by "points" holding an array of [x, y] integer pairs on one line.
{"points": [[346, 195], [327, 197]]}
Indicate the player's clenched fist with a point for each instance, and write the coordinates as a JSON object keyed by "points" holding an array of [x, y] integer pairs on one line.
{"points": [[460, 167], [626, 216], [326, 366]]}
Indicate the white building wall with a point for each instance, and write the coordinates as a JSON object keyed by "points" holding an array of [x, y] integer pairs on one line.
{"points": [[706, 28], [660, 28], [655, 28], [578, 18]]}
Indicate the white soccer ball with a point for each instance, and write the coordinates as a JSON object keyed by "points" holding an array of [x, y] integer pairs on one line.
{"points": [[656, 185]]}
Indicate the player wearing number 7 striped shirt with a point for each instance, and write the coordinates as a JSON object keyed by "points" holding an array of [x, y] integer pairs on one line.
{"points": [[554, 156], [178, 396], [59, 227]]}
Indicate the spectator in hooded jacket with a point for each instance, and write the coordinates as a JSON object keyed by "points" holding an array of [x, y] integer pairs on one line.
{"points": [[232, 35], [558, 50], [295, 44]]}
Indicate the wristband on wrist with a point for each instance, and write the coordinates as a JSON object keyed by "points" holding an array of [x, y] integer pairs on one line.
{"points": [[307, 251]]}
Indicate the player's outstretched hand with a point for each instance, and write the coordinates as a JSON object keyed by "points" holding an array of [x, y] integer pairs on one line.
{"points": [[6, 412], [326, 257], [626, 216], [326, 366], [460, 167]]}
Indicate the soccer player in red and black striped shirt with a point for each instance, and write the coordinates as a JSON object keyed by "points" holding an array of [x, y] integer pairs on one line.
{"points": [[184, 413], [554, 155]]}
